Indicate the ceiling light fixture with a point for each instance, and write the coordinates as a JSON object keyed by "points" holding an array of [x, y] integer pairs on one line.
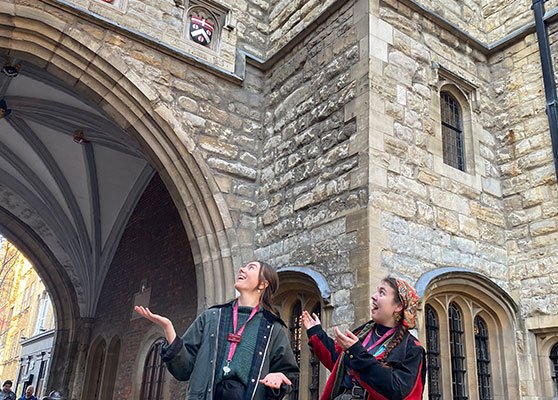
{"points": [[11, 71], [79, 137]]}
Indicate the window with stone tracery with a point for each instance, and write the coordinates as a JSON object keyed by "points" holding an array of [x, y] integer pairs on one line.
{"points": [[466, 323]]}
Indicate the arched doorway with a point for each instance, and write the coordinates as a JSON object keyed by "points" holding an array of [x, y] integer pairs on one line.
{"points": [[48, 224]]}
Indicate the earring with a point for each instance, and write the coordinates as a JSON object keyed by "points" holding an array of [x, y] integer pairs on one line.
{"points": [[259, 290]]}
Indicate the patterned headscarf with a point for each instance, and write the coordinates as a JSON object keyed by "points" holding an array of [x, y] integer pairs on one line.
{"points": [[409, 299]]}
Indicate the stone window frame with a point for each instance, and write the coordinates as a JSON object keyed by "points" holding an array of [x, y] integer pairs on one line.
{"points": [[474, 298], [546, 338], [95, 365], [295, 287], [152, 335], [220, 13], [101, 368], [466, 95]]}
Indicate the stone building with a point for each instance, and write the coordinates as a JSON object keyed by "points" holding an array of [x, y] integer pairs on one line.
{"points": [[150, 148]]}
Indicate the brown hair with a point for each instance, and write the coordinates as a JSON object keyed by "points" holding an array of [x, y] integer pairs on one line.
{"points": [[401, 329], [268, 273]]}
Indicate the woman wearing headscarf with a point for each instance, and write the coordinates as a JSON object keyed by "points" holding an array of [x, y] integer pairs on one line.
{"points": [[379, 360]]}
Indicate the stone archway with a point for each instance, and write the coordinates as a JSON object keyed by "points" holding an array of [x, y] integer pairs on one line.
{"points": [[51, 43], [51, 39]]}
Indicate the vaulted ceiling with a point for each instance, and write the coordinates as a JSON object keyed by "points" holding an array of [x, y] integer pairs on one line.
{"points": [[69, 173]]}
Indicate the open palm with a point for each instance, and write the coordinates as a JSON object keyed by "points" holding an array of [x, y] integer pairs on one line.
{"points": [[157, 319]]}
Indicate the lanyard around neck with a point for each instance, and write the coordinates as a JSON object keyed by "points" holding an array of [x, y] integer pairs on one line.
{"points": [[380, 340], [236, 336]]}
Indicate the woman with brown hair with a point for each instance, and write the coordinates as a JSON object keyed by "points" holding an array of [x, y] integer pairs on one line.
{"points": [[379, 360], [233, 351]]}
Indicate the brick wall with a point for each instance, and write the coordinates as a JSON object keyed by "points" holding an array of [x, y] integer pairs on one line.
{"points": [[154, 249]]}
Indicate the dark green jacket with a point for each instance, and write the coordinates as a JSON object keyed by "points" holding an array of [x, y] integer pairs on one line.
{"points": [[193, 357]]}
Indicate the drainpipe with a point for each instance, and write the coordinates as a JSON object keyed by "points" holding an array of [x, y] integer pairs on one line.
{"points": [[548, 77]]}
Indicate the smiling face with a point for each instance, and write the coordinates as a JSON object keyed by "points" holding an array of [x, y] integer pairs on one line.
{"points": [[384, 305], [248, 278]]}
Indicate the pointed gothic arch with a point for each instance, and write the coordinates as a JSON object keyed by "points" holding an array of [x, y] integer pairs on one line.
{"points": [[45, 39]]}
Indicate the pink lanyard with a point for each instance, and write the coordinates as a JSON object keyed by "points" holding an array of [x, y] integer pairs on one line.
{"points": [[235, 337], [380, 340]]}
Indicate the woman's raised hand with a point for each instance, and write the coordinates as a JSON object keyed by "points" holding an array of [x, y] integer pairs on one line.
{"points": [[310, 320], [157, 319], [345, 340]]}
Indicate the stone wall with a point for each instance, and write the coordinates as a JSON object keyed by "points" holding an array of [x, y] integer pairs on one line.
{"points": [[287, 18], [467, 15], [165, 22], [528, 175], [427, 214], [504, 17], [221, 120], [313, 193]]}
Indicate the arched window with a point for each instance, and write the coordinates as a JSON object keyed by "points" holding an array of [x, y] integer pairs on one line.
{"points": [[475, 319], [111, 367], [433, 353], [95, 366], [458, 361], [554, 368], [483, 359], [153, 373], [295, 328], [452, 131]]}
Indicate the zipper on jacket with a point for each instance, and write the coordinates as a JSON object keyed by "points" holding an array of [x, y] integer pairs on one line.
{"points": [[215, 352], [263, 361]]}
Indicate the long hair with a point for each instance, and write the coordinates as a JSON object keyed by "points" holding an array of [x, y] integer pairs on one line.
{"points": [[401, 328], [268, 273]]}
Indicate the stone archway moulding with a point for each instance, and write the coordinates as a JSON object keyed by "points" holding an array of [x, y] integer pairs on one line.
{"points": [[55, 41], [70, 327]]}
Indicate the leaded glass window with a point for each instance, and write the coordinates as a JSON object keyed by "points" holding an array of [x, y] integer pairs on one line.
{"points": [[452, 132], [483, 360], [314, 386], [458, 360], [295, 327], [153, 373], [433, 354], [554, 368]]}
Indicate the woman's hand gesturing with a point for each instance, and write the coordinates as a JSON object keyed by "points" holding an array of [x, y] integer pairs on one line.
{"points": [[310, 320], [275, 380], [157, 319]]}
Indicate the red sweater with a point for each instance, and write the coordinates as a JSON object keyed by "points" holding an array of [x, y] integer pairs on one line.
{"points": [[402, 379]]}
